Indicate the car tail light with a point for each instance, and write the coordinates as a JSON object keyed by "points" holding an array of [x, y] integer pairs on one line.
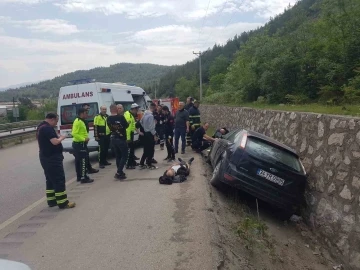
{"points": [[228, 177], [243, 141]]}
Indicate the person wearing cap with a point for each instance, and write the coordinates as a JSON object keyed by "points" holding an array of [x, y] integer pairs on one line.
{"points": [[130, 118], [80, 136], [89, 167], [102, 136]]}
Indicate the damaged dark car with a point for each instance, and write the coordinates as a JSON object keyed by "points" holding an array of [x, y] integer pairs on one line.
{"points": [[259, 166]]}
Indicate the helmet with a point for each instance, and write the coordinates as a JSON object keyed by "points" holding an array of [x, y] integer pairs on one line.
{"points": [[134, 105]]}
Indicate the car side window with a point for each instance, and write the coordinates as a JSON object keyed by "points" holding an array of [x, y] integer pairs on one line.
{"points": [[232, 136]]}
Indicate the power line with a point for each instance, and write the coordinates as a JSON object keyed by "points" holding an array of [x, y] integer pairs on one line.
{"points": [[232, 16], [200, 75], [218, 17], [206, 13], [204, 19], [222, 9]]}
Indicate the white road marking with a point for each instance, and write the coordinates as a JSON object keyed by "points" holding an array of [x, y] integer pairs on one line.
{"points": [[29, 208]]}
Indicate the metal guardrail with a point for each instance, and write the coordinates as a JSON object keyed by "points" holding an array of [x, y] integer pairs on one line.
{"points": [[9, 127], [17, 138]]}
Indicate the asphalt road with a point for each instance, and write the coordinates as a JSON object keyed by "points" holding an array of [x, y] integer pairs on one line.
{"points": [[22, 179], [127, 225]]}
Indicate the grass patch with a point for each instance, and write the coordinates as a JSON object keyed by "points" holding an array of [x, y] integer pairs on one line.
{"points": [[254, 232], [350, 110]]}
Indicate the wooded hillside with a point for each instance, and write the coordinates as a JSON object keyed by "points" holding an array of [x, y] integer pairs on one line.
{"points": [[138, 74], [310, 53]]}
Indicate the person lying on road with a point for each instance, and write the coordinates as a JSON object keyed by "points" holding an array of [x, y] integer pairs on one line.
{"points": [[177, 173]]}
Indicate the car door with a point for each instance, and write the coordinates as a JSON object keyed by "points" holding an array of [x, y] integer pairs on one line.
{"points": [[221, 145]]}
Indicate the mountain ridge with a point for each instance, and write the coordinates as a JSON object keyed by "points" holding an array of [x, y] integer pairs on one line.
{"points": [[141, 74]]}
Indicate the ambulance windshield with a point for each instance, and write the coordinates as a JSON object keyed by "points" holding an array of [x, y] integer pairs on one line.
{"points": [[69, 112]]}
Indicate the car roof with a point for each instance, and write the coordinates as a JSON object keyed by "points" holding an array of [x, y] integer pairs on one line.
{"points": [[270, 140]]}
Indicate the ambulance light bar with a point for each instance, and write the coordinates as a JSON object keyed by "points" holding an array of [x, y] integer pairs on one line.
{"points": [[105, 90]]}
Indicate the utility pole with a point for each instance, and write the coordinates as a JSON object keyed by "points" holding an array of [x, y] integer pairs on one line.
{"points": [[15, 110], [199, 54]]}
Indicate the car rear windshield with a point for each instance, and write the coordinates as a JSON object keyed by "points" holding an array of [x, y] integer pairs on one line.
{"points": [[262, 149], [68, 113]]}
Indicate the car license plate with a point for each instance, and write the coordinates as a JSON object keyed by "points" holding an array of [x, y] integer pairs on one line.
{"points": [[270, 177]]}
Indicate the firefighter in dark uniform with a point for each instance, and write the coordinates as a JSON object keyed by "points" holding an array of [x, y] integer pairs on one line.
{"points": [[80, 136], [189, 104], [130, 119], [102, 136], [51, 159], [90, 169], [169, 124], [159, 118], [194, 116]]}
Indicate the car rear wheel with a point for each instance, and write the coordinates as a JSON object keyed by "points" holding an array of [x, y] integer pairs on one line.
{"points": [[217, 175]]}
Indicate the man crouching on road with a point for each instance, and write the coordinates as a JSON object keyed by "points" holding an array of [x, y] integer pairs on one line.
{"points": [[51, 159], [201, 141]]}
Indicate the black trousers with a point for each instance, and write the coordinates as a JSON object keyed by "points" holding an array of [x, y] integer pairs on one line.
{"points": [[87, 158], [200, 146], [55, 179], [170, 145], [131, 151], [180, 132], [149, 149], [188, 137], [81, 154], [160, 133], [121, 152], [104, 143]]}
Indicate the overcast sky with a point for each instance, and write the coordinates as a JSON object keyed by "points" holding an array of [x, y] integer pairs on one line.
{"points": [[41, 39]]}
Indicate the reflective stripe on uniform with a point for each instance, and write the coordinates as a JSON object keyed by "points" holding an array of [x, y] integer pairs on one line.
{"points": [[50, 195], [61, 201]]}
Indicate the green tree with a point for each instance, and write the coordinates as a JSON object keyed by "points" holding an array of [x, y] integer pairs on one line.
{"points": [[185, 88]]}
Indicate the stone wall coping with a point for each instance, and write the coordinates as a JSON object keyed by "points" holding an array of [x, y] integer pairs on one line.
{"points": [[348, 117]]}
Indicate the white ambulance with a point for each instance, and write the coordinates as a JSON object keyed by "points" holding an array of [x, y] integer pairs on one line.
{"points": [[95, 94]]}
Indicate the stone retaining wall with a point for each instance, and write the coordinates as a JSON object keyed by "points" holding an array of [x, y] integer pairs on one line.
{"points": [[329, 148]]}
